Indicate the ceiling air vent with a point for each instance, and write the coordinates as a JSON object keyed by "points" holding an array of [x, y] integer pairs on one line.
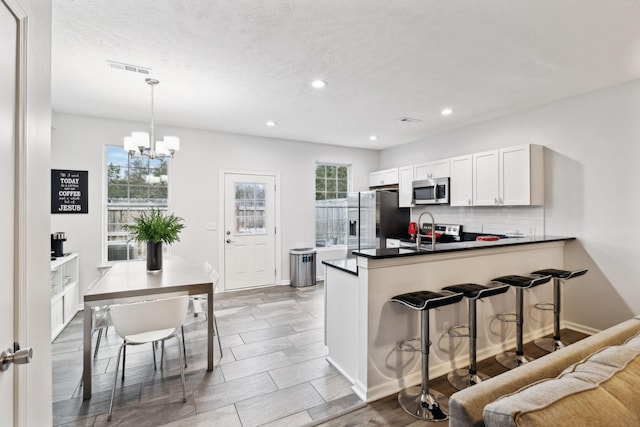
{"points": [[129, 67], [409, 120]]}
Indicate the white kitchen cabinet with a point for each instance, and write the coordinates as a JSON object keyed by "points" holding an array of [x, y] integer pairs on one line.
{"points": [[431, 170], [461, 183], [405, 191], [383, 177], [486, 178], [509, 176], [522, 175], [65, 292]]}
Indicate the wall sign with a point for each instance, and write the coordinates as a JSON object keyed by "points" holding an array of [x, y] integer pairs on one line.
{"points": [[69, 191]]}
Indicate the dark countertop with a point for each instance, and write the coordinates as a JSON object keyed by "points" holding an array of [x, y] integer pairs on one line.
{"points": [[456, 246], [345, 264]]}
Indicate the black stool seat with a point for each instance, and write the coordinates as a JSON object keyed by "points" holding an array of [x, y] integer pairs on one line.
{"points": [[426, 300], [475, 291], [561, 274], [522, 281]]}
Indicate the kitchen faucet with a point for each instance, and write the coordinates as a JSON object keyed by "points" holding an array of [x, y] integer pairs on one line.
{"points": [[433, 232]]}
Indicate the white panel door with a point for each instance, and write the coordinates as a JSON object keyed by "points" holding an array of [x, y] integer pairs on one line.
{"points": [[249, 230], [486, 181], [8, 75]]}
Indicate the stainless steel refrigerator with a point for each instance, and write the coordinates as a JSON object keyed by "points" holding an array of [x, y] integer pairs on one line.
{"points": [[373, 216]]}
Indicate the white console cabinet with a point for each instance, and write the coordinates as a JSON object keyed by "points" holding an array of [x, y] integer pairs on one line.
{"points": [[65, 292]]}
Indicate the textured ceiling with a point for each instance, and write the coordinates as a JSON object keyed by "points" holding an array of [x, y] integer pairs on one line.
{"points": [[233, 65]]}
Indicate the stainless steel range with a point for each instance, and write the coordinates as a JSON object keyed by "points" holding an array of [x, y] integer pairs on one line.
{"points": [[444, 232]]}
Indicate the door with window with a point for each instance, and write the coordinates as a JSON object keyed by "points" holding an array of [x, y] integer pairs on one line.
{"points": [[249, 230]]}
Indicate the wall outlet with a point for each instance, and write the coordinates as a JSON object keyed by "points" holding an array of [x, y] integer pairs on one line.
{"points": [[445, 327], [211, 226]]}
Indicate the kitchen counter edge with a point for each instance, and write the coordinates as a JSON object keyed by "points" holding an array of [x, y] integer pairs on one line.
{"points": [[456, 246]]}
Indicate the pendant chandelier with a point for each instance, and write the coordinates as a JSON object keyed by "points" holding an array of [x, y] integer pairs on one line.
{"points": [[139, 144]]}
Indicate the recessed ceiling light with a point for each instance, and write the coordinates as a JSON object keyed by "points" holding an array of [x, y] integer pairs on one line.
{"points": [[271, 123], [373, 138], [446, 112], [318, 84]]}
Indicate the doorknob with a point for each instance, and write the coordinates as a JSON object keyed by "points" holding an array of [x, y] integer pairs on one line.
{"points": [[19, 357], [229, 240]]}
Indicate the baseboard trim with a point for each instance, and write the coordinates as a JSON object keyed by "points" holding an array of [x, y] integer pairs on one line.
{"points": [[581, 328]]}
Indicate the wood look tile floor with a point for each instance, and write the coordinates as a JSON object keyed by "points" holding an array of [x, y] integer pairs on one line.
{"points": [[387, 412], [273, 371]]}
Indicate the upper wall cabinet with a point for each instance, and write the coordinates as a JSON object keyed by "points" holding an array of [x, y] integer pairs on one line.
{"points": [[383, 177], [430, 170], [405, 178], [461, 186], [510, 176]]}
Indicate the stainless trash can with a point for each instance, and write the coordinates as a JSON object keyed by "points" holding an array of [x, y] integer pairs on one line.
{"points": [[302, 267]]}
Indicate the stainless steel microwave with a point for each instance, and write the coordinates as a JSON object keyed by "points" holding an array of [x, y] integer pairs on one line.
{"points": [[430, 191]]}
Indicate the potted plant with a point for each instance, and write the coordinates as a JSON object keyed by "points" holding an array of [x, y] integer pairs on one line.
{"points": [[155, 228]]}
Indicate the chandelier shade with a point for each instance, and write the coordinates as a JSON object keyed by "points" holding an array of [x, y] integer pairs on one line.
{"points": [[143, 144]]}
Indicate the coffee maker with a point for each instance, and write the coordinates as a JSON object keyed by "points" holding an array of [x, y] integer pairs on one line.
{"points": [[56, 244]]}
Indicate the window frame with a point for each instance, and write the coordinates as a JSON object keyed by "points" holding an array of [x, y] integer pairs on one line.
{"points": [[325, 236], [105, 205]]}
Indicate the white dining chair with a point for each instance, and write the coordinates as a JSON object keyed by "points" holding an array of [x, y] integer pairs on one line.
{"points": [[200, 304], [100, 321], [148, 322]]}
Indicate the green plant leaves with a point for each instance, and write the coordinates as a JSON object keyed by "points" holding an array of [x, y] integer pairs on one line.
{"points": [[156, 227]]}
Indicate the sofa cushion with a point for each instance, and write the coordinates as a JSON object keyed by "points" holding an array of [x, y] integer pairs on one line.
{"points": [[599, 390]]}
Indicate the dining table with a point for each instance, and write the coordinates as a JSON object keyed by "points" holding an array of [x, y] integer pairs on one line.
{"points": [[130, 281]]}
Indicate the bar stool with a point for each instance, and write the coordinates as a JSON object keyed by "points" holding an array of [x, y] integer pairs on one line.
{"points": [[417, 401], [463, 378], [555, 343], [510, 359]]}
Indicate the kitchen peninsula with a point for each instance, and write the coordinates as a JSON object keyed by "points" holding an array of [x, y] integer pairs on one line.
{"points": [[363, 327]]}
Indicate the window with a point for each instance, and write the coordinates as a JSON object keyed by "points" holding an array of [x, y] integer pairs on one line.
{"points": [[250, 213], [133, 186], [332, 184]]}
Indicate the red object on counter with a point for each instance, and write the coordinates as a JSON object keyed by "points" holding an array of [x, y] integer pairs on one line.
{"points": [[487, 238], [413, 229]]}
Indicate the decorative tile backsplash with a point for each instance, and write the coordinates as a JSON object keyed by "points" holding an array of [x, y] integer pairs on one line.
{"points": [[528, 220]]}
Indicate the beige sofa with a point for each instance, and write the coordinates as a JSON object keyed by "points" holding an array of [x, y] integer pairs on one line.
{"points": [[534, 396]]}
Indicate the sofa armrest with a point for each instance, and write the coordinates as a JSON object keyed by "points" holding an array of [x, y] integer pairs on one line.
{"points": [[466, 406]]}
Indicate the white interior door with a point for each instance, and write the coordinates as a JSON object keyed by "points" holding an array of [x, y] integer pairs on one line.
{"points": [[249, 230], [8, 83]]}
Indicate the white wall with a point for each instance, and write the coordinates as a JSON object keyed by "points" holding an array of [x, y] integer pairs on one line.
{"points": [[78, 143], [591, 189]]}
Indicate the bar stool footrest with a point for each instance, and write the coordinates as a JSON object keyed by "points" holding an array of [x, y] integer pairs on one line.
{"points": [[545, 306], [405, 345], [507, 317], [453, 331]]}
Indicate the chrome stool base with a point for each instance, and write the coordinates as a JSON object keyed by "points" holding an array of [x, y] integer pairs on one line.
{"points": [[511, 360], [550, 344], [431, 406], [461, 378]]}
